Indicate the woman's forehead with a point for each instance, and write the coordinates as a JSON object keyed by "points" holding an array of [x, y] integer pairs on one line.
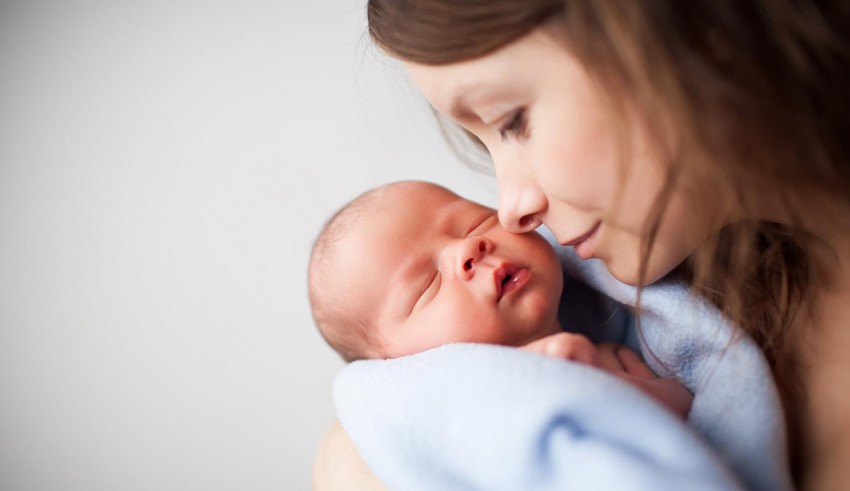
{"points": [[449, 86]]}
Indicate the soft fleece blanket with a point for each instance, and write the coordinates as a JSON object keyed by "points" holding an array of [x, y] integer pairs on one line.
{"points": [[482, 417]]}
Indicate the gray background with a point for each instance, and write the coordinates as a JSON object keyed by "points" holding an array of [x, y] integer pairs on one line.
{"points": [[164, 168]]}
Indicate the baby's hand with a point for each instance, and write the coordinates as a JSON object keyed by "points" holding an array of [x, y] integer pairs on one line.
{"points": [[629, 366], [568, 346], [619, 361]]}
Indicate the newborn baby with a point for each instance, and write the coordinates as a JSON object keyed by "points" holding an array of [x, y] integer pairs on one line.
{"points": [[411, 266]]}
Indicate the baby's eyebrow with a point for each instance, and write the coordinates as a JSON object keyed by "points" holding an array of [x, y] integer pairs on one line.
{"points": [[478, 221]]}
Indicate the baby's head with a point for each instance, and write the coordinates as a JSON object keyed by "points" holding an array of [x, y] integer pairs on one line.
{"points": [[410, 266]]}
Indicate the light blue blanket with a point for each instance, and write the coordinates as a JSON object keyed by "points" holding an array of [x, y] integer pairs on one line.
{"points": [[481, 417]]}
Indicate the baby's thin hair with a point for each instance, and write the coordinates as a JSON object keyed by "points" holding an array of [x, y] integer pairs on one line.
{"points": [[342, 326]]}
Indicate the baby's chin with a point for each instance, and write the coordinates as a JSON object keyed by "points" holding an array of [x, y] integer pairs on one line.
{"points": [[547, 327]]}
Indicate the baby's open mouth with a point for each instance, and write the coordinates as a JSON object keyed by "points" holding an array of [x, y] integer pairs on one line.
{"points": [[510, 278]]}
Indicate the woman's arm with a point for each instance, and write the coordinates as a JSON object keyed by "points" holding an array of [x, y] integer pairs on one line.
{"points": [[338, 466]]}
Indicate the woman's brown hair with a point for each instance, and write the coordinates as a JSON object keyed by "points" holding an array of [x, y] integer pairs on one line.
{"points": [[757, 91]]}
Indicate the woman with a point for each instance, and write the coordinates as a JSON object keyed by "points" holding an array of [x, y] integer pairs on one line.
{"points": [[711, 135]]}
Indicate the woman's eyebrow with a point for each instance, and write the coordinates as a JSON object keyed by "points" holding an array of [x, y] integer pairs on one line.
{"points": [[459, 107], [461, 112]]}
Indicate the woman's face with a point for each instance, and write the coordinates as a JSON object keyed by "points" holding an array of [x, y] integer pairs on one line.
{"points": [[559, 159]]}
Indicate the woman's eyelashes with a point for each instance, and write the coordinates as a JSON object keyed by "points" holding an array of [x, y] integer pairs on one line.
{"points": [[514, 125]]}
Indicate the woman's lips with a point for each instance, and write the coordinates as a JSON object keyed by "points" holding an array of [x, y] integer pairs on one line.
{"points": [[583, 244], [509, 279]]}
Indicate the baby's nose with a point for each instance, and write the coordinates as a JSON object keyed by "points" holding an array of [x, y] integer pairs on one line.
{"points": [[470, 251]]}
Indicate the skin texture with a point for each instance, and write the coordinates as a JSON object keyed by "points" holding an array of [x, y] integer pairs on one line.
{"points": [[557, 159]]}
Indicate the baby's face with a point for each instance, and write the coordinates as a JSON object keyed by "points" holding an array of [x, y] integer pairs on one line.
{"points": [[432, 268]]}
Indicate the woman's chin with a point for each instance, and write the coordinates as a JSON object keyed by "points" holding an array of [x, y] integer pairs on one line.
{"points": [[629, 272]]}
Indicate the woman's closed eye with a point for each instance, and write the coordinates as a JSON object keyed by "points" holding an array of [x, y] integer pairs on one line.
{"points": [[514, 125]]}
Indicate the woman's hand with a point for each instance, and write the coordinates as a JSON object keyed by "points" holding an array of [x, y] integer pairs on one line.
{"points": [[339, 467]]}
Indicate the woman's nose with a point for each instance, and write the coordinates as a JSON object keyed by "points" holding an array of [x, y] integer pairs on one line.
{"points": [[470, 251], [521, 207]]}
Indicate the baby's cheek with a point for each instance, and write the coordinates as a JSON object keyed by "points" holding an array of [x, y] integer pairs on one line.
{"points": [[541, 307]]}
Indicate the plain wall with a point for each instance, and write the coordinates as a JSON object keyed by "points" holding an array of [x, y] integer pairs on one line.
{"points": [[164, 169]]}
